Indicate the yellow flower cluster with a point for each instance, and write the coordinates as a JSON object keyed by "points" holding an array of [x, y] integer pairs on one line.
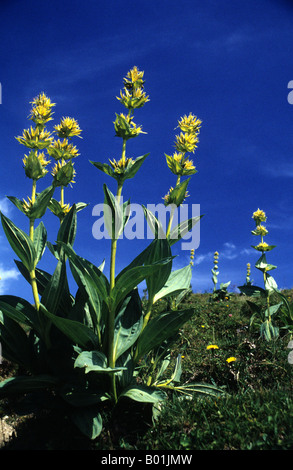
{"points": [[68, 127], [260, 216], [185, 142], [133, 95]]}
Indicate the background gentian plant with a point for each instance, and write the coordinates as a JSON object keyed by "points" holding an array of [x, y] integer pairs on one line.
{"points": [[90, 347]]}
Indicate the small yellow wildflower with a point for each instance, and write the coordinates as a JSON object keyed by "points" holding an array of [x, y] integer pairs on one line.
{"points": [[231, 359], [212, 346]]}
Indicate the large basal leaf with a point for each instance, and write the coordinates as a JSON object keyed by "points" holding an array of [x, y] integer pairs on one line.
{"points": [[56, 291], [77, 332], [142, 393], [88, 420], [14, 342], [20, 242], [159, 329], [88, 276], [131, 278], [159, 250], [26, 384], [19, 310], [128, 324]]}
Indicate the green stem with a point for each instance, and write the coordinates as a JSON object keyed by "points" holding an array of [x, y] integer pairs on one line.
{"points": [[111, 319], [172, 212], [31, 235]]}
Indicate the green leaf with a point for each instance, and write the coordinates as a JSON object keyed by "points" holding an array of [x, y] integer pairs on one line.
{"points": [[104, 167], [159, 250], [154, 224], [144, 394], [178, 194], [67, 230], [26, 384], [14, 342], [262, 264], [79, 395], [40, 240], [77, 332], [88, 276], [200, 388], [273, 309], [18, 203], [128, 324], [182, 229], [41, 203], [95, 361], [131, 278], [56, 291], [113, 215], [19, 310], [133, 168], [159, 329], [20, 242], [88, 420], [252, 291], [270, 284], [178, 281]]}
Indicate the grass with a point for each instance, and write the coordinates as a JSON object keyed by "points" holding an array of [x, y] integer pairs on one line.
{"points": [[256, 413]]}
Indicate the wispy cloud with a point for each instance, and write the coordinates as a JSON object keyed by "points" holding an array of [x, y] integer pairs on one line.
{"points": [[4, 206], [7, 275]]}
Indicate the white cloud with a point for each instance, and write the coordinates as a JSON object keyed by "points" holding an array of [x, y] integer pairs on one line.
{"points": [[4, 206], [7, 275]]}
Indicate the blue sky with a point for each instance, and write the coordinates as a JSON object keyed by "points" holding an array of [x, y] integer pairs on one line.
{"points": [[228, 62]]}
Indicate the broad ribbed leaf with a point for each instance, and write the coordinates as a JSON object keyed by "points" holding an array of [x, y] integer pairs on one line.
{"points": [[159, 329], [144, 394], [113, 215], [95, 361], [56, 292], [67, 230], [26, 384], [40, 240], [77, 332], [88, 276], [14, 341], [19, 310], [41, 203], [182, 229], [178, 280], [159, 250], [128, 324], [20, 242], [131, 278], [88, 420]]}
